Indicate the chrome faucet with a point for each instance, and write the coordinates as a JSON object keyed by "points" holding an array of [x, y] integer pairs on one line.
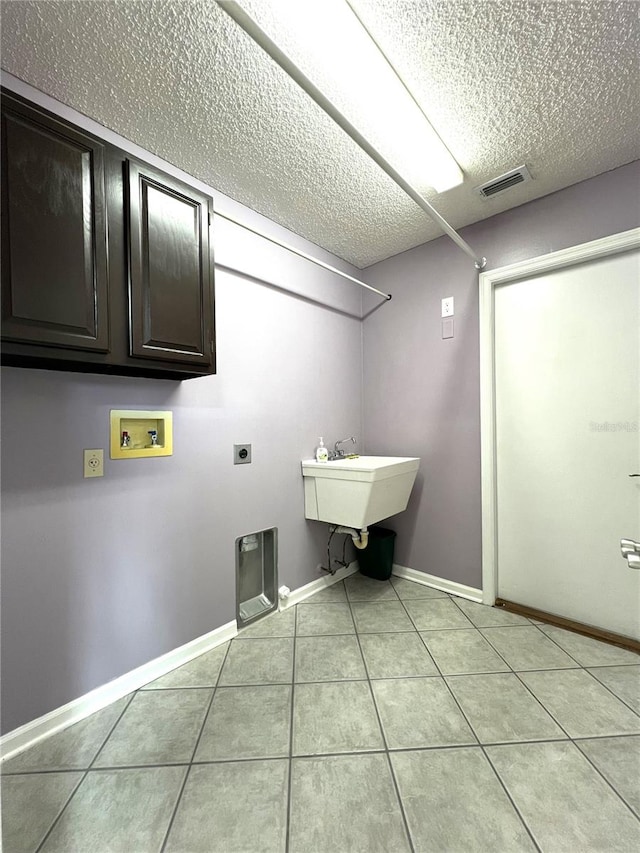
{"points": [[338, 452]]}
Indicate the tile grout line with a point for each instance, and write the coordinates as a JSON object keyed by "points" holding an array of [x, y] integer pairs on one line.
{"points": [[62, 809], [387, 751], [573, 740], [213, 694], [518, 675], [568, 738], [609, 690], [175, 807], [480, 634], [112, 729], [533, 696], [372, 751], [494, 647], [193, 753], [85, 773], [609, 646], [383, 733], [610, 784], [481, 746], [491, 607], [468, 627], [602, 776], [511, 800], [460, 610], [501, 782], [584, 668], [287, 836], [555, 643]]}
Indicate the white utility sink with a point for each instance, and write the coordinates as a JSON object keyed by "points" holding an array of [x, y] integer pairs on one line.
{"points": [[358, 492]]}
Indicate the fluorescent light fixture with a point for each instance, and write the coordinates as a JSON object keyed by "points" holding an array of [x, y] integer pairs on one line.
{"points": [[327, 41]]}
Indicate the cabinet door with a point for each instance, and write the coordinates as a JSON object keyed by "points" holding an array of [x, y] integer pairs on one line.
{"points": [[54, 238], [170, 269]]}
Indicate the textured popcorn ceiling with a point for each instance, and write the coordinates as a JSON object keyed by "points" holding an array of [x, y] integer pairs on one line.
{"points": [[555, 85]]}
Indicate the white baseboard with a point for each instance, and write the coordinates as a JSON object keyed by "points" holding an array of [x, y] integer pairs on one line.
{"points": [[443, 584], [309, 589], [28, 735], [60, 718], [31, 733]]}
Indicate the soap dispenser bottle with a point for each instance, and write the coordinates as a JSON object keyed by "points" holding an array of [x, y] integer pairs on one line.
{"points": [[322, 454]]}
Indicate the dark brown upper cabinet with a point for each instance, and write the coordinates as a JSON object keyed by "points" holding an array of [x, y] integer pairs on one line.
{"points": [[169, 268], [54, 233], [107, 263]]}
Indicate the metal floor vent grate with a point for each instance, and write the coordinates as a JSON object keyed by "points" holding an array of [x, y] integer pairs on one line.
{"points": [[504, 182]]}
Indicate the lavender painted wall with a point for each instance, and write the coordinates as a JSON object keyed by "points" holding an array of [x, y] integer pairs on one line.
{"points": [[422, 392], [100, 576]]}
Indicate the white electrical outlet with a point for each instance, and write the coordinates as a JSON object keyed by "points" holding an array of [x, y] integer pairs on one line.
{"points": [[94, 463], [447, 307]]}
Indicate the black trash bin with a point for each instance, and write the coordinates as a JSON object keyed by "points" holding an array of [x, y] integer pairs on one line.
{"points": [[376, 560]]}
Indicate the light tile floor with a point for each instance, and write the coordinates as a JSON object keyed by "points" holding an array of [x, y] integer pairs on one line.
{"points": [[377, 716]]}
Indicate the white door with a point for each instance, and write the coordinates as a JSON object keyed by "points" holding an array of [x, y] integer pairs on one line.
{"points": [[567, 439]]}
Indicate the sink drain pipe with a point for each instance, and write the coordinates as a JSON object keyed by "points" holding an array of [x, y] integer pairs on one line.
{"points": [[360, 538]]}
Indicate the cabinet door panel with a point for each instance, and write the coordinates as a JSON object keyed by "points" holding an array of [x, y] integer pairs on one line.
{"points": [[53, 233], [170, 269]]}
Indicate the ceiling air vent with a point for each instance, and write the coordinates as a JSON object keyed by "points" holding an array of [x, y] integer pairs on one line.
{"points": [[503, 183]]}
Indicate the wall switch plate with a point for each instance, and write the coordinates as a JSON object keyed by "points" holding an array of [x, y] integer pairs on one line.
{"points": [[94, 463], [241, 454], [447, 307], [447, 328]]}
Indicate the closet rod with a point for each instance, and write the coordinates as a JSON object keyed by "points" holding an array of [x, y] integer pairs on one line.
{"points": [[301, 254], [253, 30]]}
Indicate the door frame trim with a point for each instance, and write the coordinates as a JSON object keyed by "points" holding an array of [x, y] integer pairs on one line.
{"points": [[488, 281]]}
